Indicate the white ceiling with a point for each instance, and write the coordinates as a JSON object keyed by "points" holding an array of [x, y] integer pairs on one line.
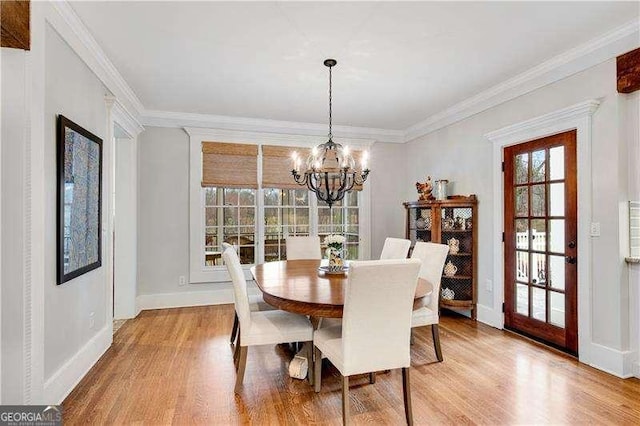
{"points": [[398, 63]]}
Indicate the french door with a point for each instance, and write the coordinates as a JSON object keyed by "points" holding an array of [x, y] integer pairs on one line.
{"points": [[541, 240]]}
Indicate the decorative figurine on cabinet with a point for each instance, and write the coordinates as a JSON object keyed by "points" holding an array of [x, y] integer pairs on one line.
{"points": [[424, 190]]}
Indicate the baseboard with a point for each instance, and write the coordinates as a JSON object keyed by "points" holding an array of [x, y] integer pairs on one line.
{"points": [[184, 299], [622, 364], [636, 370], [490, 316], [63, 381], [219, 296]]}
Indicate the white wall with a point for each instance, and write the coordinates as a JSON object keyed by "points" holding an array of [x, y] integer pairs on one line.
{"points": [[14, 134], [72, 90], [461, 154], [163, 224], [126, 220], [163, 212], [388, 182]]}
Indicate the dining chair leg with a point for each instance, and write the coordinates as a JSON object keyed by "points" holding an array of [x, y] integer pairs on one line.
{"points": [[308, 349], [242, 363], [372, 377], [435, 332], [406, 391], [236, 352], [317, 369], [234, 330], [345, 400]]}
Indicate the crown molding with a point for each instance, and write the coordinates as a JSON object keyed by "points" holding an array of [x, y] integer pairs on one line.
{"points": [[583, 109], [259, 125], [572, 61], [284, 139], [76, 34], [120, 115]]}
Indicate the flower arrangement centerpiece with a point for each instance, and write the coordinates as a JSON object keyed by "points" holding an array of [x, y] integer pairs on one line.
{"points": [[334, 244]]}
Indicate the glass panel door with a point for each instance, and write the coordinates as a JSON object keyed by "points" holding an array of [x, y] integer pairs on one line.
{"points": [[540, 239]]}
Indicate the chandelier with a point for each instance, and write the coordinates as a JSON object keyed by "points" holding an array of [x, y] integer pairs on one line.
{"points": [[330, 171]]}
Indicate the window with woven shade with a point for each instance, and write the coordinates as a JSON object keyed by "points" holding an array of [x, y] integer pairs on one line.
{"points": [[229, 165], [286, 204], [277, 166], [229, 180], [244, 194]]}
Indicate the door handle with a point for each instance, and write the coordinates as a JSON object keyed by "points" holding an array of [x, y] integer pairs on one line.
{"points": [[570, 259]]}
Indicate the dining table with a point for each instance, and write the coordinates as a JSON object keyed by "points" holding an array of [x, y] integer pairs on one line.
{"points": [[306, 287]]}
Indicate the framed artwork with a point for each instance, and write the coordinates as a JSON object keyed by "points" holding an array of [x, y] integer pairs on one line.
{"points": [[79, 213]]}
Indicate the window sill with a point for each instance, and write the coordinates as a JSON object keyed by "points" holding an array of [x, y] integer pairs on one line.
{"points": [[631, 260]]}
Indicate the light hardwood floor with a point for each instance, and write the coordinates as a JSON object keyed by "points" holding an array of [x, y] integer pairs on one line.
{"points": [[175, 366]]}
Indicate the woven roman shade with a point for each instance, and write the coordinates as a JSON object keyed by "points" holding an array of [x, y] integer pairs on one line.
{"points": [[229, 165], [277, 165]]}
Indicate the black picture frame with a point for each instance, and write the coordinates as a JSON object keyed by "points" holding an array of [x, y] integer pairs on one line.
{"points": [[79, 199]]}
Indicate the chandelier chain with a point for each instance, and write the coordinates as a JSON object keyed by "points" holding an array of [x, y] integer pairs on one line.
{"points": [[330, 104]]}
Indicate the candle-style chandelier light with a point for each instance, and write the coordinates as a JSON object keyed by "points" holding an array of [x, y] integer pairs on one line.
{"points": [[330, 171]]}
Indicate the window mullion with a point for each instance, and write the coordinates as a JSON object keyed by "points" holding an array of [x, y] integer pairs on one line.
{"points": [[313, 214], [260, 227], [220, 218]]}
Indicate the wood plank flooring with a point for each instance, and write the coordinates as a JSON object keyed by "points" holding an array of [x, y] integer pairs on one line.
{"points": [[175, 366]]}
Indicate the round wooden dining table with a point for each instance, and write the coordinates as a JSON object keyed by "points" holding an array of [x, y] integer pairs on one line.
{"points": [[299, 286]]}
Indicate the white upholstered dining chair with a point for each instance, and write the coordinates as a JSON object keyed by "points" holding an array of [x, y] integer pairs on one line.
{"points": [[303, 247], [395, 248], [256, 301], [262, 327], [366, 343], [433, 257]]}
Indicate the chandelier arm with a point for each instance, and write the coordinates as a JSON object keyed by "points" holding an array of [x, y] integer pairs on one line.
{"points": [[347, 183], [298, 178], [321, 195], [361, 177], [311, 183], [326, 183], [350, 187]]}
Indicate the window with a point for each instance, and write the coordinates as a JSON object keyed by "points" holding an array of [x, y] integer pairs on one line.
{"points": [[243, 194], [286, 212], [229, 217], [343, 219]]}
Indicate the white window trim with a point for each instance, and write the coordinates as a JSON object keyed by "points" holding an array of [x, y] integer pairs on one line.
{"points": [[198, 272]]}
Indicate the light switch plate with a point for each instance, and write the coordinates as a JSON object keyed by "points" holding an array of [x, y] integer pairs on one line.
{"points": [[595, 229], [488, 285]]}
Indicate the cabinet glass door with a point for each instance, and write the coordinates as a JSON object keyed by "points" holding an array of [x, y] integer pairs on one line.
{"points": [[456, 230], [420, 225]]}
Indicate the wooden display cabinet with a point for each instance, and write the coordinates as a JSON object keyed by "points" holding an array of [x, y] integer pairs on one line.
{"points": [[441, 221]]}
